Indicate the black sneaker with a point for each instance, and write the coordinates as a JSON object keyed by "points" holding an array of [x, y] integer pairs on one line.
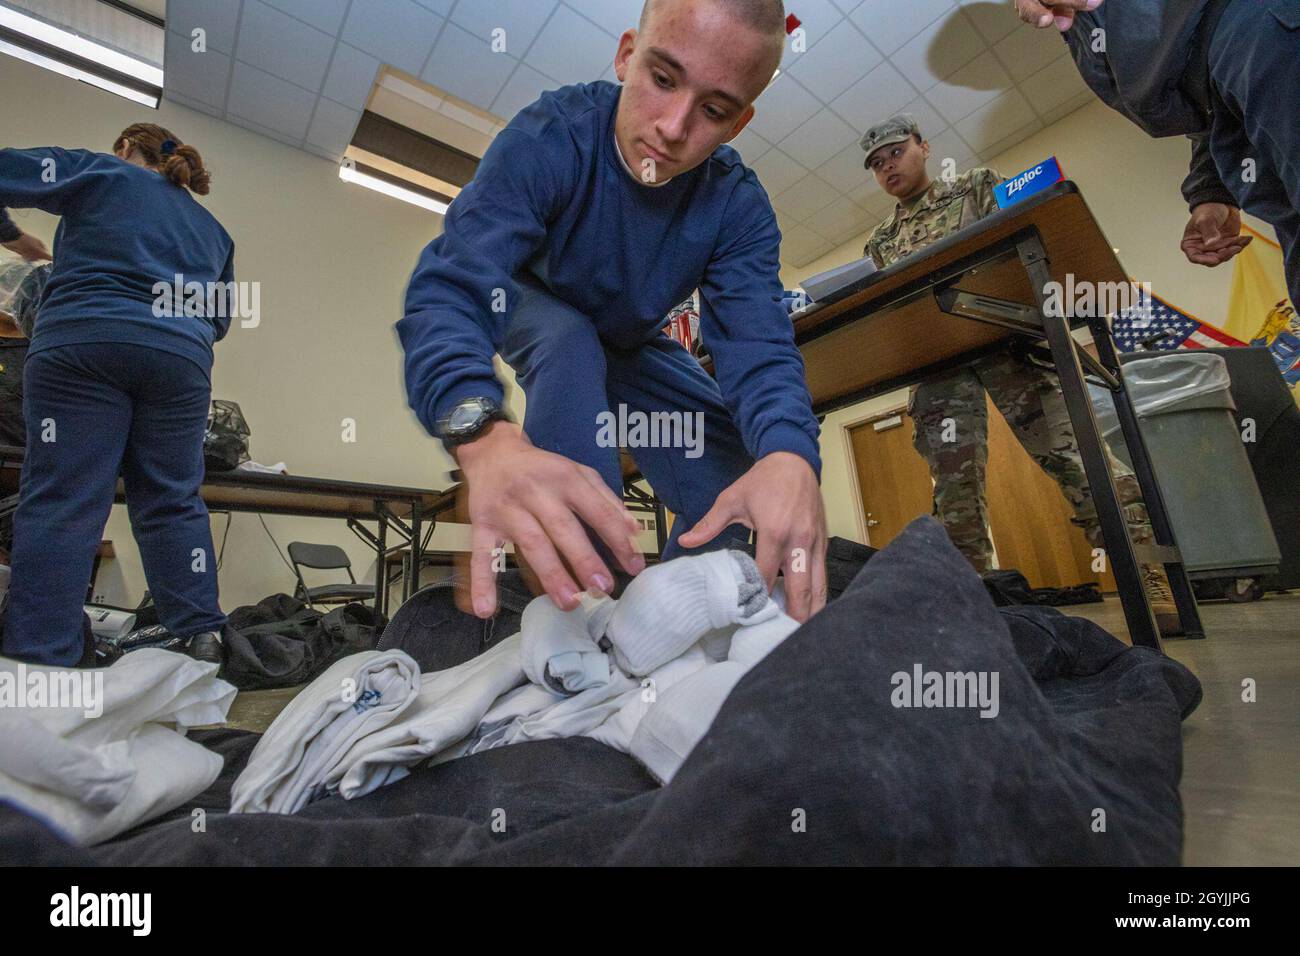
{"points": [[207, 647]]}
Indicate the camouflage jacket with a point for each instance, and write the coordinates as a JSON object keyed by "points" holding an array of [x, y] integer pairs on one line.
{"points": [[940, 210]]}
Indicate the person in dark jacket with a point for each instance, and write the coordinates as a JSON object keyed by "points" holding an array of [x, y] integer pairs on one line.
{"points": [[117, 381], [1224, 73]]}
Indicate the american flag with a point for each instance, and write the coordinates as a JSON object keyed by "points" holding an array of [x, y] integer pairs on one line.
{"points": [[1153, 316]]}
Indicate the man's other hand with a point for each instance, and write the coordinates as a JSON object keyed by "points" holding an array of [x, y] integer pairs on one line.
{"points": [[1213, 234], [1044, 13], [778, 498], [30, 248]]}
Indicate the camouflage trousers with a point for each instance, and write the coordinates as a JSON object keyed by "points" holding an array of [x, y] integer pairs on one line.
{"points": [[951, 433]]}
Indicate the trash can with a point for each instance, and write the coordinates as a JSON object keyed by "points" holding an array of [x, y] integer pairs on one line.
{"points": [[1185, 411]]}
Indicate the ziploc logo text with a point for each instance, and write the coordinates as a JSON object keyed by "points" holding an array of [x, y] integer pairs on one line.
{"points": [[1031, 181]]}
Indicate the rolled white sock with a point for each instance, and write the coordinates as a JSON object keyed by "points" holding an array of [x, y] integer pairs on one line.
{"points": [[670, 606], [559, 650]]}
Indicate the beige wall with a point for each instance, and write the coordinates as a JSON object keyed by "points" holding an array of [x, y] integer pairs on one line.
{"points": [[1131, 183]]}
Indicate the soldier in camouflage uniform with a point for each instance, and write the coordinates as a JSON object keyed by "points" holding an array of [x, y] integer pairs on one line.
{"points": [[949, 410]]}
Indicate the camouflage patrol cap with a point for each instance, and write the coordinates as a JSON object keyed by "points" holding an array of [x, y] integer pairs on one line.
{"points": [[896, 129]]}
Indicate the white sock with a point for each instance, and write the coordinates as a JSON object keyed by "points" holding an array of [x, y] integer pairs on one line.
{"points": [[670, 606], [559, 649]]}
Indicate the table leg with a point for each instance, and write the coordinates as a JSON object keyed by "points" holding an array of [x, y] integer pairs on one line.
{"points": [[1119, 548], [412, 582], [1179, 583], [381, 570]]}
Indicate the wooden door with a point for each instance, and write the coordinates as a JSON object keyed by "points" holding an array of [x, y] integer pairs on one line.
{"points": [[898, 478], [1028, 516]]}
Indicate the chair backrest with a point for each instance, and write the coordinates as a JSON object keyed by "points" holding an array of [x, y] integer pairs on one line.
{"points": [[323, 556]]}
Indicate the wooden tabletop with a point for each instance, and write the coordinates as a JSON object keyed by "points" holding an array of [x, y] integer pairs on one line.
{"points": [[888, 326]]}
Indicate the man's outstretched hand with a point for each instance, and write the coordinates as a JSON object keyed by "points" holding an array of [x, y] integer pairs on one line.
{"points": [[535, 499], [780, 499], [1045, 13], [1213, 234]]}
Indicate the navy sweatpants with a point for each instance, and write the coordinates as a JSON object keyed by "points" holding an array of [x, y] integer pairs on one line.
{"points": [[1255, 69], [570, 376], [95, 411]]}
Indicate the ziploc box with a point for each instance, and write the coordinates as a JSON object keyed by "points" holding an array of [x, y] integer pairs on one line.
{"points": [[1031, 181]]}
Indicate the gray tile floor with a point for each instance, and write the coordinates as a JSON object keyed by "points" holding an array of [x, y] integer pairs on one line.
{"points": [[1241, 761]]}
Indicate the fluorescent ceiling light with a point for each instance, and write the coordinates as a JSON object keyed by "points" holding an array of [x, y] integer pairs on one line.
{"points": [[79, 46], [350, 174], [77, 73]]}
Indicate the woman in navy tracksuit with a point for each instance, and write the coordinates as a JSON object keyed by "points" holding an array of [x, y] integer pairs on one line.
{"points": [[117, 381]]}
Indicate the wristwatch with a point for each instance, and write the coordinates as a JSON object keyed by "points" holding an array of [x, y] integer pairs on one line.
{"points": [[468, 419]]}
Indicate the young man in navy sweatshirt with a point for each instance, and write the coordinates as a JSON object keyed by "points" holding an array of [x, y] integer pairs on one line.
{"points": [[594, 211]]}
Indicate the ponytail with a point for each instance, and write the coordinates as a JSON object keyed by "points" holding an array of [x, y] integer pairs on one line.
{"points": [[180, 164]]}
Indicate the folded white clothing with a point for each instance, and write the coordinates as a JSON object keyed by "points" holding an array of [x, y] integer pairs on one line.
{"points": [[559, 647], [352, 699], [670, 606], [686, 709], [88, 749]]}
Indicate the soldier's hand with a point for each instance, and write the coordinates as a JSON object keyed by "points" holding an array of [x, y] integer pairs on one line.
{"points": [[1044, 13], [1213, 234]]}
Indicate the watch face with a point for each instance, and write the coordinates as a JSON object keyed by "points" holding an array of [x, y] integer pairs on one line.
{"points": [[464, 417]]}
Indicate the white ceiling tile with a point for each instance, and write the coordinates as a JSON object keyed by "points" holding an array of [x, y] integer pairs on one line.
{"points": [[750, 145], [465, 66], [799, 243], [399, 32], [282, 46], [322, 152], [520, 19], [992, 20], [442, 7], [938, 51], [889, 23], [873, 199], [806, 198], [270, 132], [1053, 85], [819, 139], [945, 145], [782, 108], [332, 126], [610, 76], [975, 85], [996, 121], [927, 119], [570, 49], [326, 15], [874, 98], [197, 76], [994, 150], [1075, 102], [832, 221], [777, 171], [844, 170], [1025, 50], [817, 19], [847, 6], [270, 102], [523, 88], [613, 16], [217, 18], [351, 76], [830, 67]]}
